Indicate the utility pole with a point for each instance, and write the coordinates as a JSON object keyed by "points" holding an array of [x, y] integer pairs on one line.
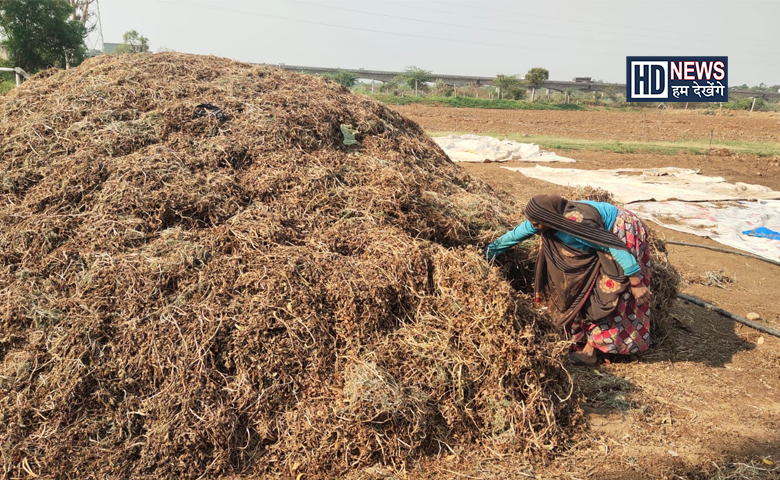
{"points": [[89, 17], [99, 26]]}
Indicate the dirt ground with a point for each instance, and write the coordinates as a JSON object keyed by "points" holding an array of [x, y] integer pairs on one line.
{"points": [[705, 403], [649, 124]]}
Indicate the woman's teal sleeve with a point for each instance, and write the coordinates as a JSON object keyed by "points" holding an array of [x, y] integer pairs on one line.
{"points": [[509, 239], [626, 260]]}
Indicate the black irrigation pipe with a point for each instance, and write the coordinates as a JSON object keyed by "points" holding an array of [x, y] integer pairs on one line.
{"points": [[769, 260], [736, 318]]}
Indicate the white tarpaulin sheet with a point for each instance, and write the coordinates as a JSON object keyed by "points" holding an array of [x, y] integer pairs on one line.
{"points": [[711, 207], [723, 222], [634, 184], [476, 148]]}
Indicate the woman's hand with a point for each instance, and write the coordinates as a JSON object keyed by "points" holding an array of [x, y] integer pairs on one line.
{"points": [[641, 293]]}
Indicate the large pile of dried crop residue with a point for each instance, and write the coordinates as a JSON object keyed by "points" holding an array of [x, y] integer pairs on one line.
{"points": [[193, 291]]}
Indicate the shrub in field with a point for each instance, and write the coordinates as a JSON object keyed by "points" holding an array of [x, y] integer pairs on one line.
{"points": [[470, 102], [7, 81], [510, 87], [746, 104], [345, 78], [441, 89], [415, 78]]}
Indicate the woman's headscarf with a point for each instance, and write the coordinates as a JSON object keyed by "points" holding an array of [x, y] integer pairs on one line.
{"points": [[549, 210]]}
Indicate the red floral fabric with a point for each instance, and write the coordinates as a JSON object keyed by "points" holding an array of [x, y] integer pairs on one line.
{"points": [[627, 329]]}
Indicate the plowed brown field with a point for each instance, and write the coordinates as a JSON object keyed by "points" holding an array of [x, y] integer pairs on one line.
{"points": [[648, 124]]}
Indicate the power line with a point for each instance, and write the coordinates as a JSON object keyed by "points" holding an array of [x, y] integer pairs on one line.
{"points": [[590, 23], [432, 22], [470, 15], [425, 37], [510, 32]]}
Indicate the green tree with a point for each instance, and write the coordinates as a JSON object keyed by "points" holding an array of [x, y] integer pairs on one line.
{"points": [[80, 10], [415, 77], [510, 86], [132, 42], [343, 77], [536, 77], [41, 33]]}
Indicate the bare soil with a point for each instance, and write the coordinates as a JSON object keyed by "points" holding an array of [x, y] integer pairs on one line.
{"points": [[648, 124], [705, 403]]}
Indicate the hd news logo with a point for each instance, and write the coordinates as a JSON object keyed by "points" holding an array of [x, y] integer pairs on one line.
{"points": [[677, 79]]}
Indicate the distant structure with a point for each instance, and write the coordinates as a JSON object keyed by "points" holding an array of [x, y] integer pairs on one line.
{"points": [[386, 76], [3, 53], [110, 47], [98, 26], [581, 84]]}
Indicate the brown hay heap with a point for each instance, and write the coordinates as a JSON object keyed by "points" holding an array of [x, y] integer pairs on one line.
{"points": [[190, 292]]}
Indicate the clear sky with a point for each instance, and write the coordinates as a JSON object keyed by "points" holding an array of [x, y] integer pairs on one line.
{"points": [[467, 37]]}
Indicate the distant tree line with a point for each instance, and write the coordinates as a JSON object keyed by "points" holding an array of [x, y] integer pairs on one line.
{"points": [[412, 77], [422, 81]]}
